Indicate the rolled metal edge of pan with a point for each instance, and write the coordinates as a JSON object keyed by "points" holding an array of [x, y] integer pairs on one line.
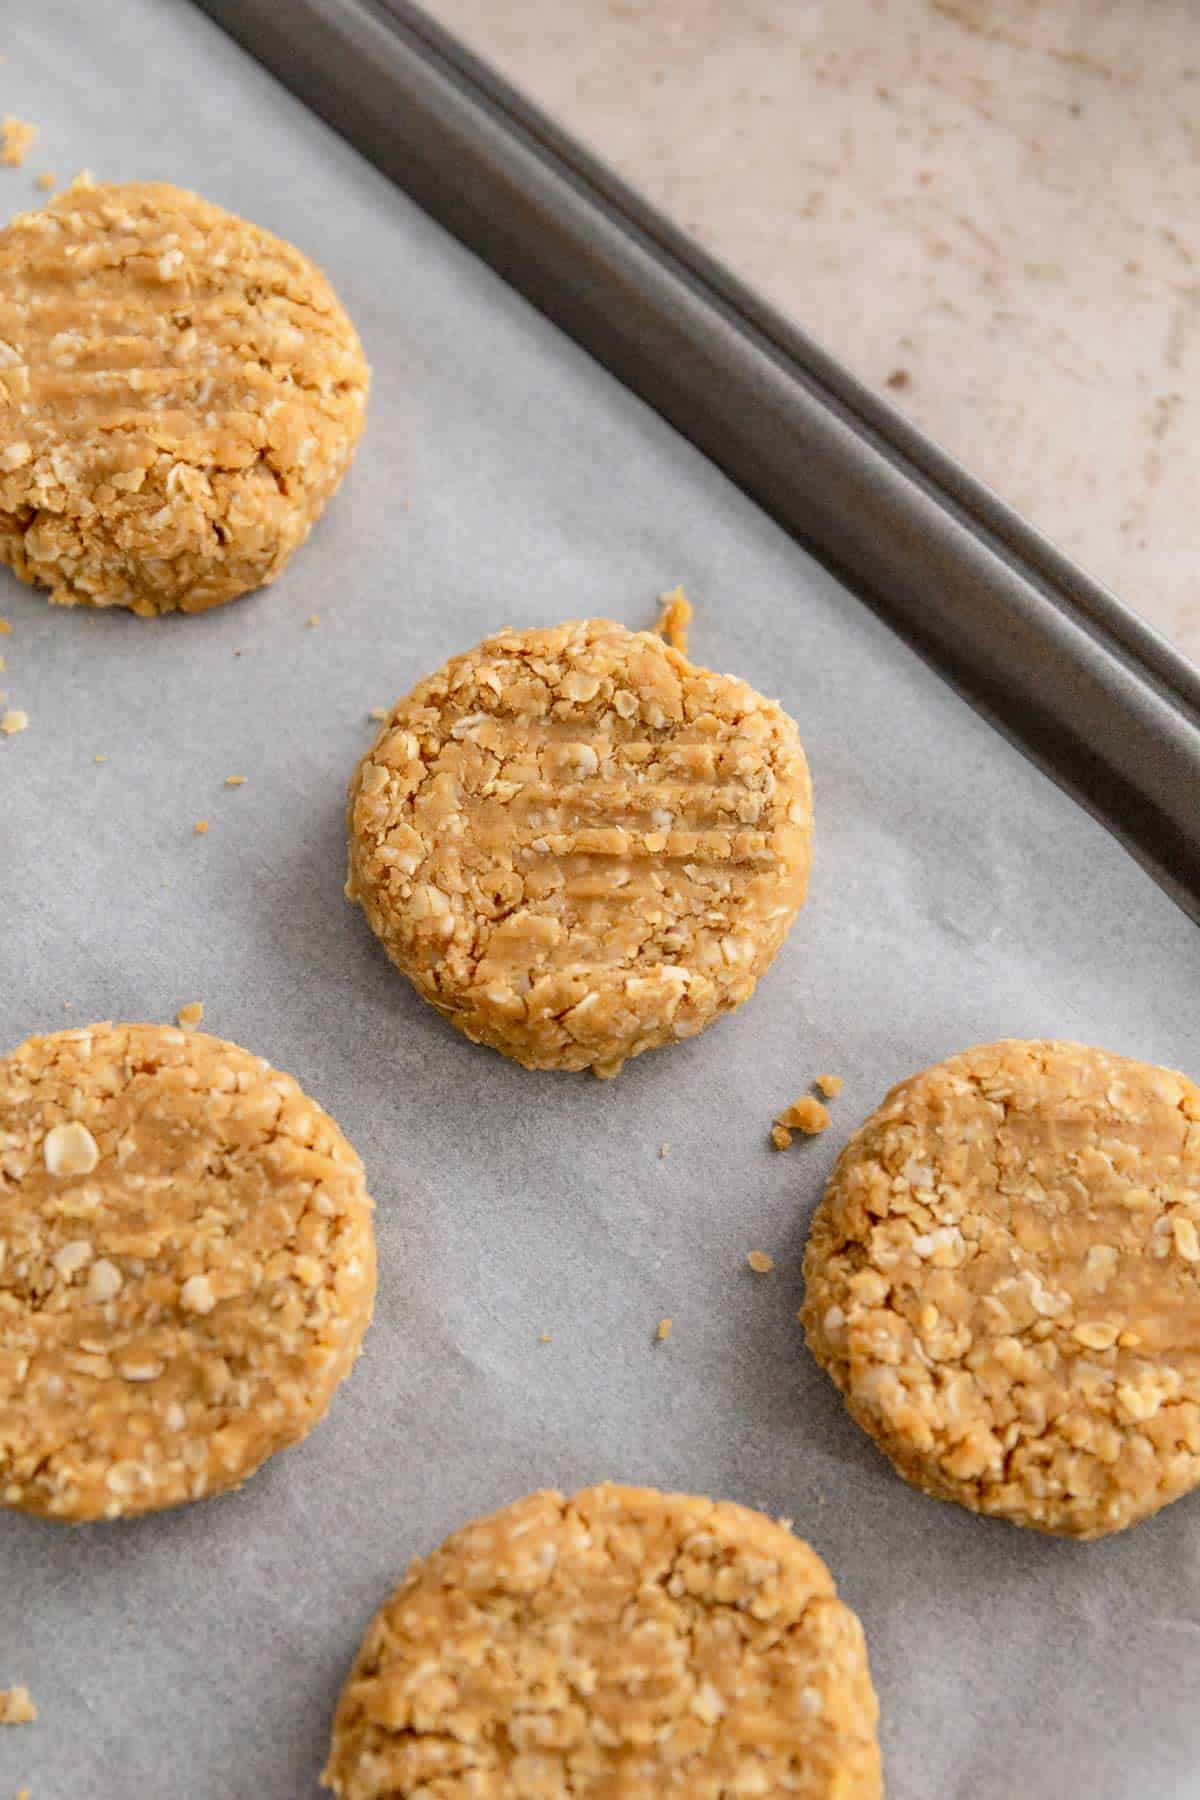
{"points": [[1088, 690]]}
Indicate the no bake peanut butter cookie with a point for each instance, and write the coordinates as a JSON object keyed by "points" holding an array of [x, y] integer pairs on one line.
{"points": [[623, 1642], [1003, 1279], [578, 845], [180, 393], [187, 1267]]}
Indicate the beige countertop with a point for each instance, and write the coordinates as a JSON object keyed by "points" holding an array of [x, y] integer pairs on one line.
{"points": [[991, 207]]}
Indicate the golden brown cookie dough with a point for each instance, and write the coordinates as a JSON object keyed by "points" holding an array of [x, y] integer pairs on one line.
{"points": [[620, 1643], [180, 393], [187, 1268], [578, 845], [1003, 1279]]}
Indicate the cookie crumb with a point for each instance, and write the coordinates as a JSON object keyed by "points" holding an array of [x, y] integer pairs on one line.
{"points": [[674, 612], [16, 141], [47, 182], [5, 627], [14, 721], [830, 1085], [99, 757], [899, 378], [544, 1338], [235, 781], [664, 1330], [760, 1262], [1, 662], [191, 1015], [24, 1794], [378, 712], [200, 827], [805, 1114], [313, 619], [781, 1137], [84, 179], [664, 1150], [16, 1706]]}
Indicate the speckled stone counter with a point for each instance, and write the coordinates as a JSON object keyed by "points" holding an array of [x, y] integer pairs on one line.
{"points": [[990, 207]]}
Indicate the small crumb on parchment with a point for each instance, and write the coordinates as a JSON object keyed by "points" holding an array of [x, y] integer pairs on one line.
{"points": [[14, 721], [830, 1085], [760, 1262], [24, 1794], [235, 781], [47, 182], [16, 1706], [805, 1114], [200, 827], [99, 757], [1, 662], [378, 712], [313, 619], [84, 179], [664, 1330], [16, 140], [664, 1149], [544, 1338], [674, 614], [5, 627], [191, 1015]]}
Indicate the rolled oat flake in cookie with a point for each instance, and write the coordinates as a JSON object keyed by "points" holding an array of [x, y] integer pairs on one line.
{"points": [[187, 1268], [1003, 1279], [180, 393], [578, 845], [623, 1642]]}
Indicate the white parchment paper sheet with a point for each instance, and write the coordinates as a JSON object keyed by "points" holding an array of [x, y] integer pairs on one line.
{"points": [[957, 896]]}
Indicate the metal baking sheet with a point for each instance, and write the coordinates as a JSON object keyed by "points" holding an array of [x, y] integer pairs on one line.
{"points": [[958, 895]]}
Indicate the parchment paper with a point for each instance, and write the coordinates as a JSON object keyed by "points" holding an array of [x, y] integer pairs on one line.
{"points": [[957, 896]]}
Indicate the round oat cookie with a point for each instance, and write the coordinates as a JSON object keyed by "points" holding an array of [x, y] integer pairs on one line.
{"points": [[1003, 1279], [623, 1642], [180, 393], [187, 1268], [578, 845]]}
